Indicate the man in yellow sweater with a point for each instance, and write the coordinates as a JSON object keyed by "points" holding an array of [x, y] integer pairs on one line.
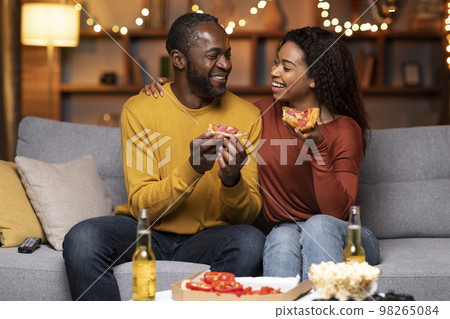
{"points": [[201, 189]]}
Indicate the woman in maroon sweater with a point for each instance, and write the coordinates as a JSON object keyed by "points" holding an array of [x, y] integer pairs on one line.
{"points": [[309, 181]]}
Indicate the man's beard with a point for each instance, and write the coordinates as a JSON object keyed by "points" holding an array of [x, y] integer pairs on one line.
{"points": [[203, 83]]}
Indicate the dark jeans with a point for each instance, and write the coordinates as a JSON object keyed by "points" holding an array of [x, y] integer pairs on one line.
{"points": [[93, 246]]}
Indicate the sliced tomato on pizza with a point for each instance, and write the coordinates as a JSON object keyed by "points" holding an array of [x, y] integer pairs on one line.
{"points": [[226, 130], [302, 120]]}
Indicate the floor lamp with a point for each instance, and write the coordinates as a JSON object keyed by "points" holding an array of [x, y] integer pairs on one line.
{"points": [[50, 24]]}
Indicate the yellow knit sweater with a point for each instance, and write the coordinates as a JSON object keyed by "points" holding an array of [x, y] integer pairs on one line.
{"points": [[156, 134]]}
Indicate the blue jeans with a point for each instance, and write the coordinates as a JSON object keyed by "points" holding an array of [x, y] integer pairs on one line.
{"points": [[292, 247], [92, 246]]}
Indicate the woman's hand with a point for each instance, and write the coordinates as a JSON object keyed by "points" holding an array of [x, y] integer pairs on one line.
{"points": [[154, 87], [315, 133]]}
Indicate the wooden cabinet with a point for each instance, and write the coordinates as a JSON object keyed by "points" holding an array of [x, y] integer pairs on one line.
{"points": [[407, 66], [129, 45], [391, 50], [252, 56]]}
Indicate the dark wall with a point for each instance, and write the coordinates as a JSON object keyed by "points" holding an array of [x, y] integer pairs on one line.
{"points": [[9, 76]]}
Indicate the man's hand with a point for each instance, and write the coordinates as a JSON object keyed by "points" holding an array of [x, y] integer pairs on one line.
{"points": [[231, 158], [204, 151]]}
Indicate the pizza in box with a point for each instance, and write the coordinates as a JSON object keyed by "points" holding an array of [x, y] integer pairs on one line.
{"points": [[223, 286]]}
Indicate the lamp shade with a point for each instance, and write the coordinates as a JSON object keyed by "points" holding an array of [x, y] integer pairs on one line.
{"points": [[50, 24]]}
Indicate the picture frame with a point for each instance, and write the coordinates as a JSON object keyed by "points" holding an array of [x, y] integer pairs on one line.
{"points": [[411, 73]]}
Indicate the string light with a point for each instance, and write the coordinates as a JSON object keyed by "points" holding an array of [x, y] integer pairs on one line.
{"points": [[97, 27], [139, 21], [385, 17], [262, 4], [242, 22], [447, 29]]}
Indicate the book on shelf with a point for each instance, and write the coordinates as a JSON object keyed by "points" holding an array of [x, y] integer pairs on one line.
{"points": [[167, 68], [423, 24], [139, 71], [365, 68]]}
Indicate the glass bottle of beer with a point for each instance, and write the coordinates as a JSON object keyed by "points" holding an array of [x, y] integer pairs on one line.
{"points": [[144, 272], [353, 251]]}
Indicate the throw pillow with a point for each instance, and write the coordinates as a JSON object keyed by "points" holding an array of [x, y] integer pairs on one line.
{"points": [[17, 217], [63, 194]]}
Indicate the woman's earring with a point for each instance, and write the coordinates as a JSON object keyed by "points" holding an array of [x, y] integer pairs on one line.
{"points": [[312, 84]]}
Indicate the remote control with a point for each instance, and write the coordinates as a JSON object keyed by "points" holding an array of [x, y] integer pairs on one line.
{"points": [[29, 245]]}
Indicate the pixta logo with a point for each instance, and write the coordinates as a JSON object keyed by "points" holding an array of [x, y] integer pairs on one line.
{"points": [[140, 150], [141, 143], [307, 152]]}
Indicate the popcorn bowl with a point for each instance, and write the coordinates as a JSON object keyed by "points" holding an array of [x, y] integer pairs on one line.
{"points": [[344, 280]]}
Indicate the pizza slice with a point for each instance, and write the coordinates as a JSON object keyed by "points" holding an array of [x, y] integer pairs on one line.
{"points": [[302, 120], [226, 130]]}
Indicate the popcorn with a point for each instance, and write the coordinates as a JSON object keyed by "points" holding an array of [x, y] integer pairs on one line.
{"points": [[344, 280]]}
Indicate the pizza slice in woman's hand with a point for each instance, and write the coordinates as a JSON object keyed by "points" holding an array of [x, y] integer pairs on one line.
{"points": [[302, 120], [226, 130]]}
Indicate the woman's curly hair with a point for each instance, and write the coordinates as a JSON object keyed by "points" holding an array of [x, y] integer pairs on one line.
{"points": [[331, 66]]}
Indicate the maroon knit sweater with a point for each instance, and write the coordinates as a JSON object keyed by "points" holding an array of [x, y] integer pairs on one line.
{"points": [[297, 184]]}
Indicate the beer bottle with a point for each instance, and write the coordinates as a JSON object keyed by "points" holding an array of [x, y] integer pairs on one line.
{"points": [[353, 251], [144, 272]]}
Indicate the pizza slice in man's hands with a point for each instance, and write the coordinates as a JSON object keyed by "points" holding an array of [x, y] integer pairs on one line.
{"points": [[226, 130]]}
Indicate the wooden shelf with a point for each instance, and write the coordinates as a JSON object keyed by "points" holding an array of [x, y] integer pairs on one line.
{"points": [[98, 89], [412, 35], [163, 34], [401, 91], [381, 44], [131, 89], [397, 35]]}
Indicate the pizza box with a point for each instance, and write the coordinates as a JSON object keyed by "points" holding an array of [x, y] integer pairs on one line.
{"points": [[293, 291]]}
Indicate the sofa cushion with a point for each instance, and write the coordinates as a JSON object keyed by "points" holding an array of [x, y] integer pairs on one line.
{"points": [[416, 266], [405, 182], [17, 217], [63, 194], [42, 275], [59, 142]]}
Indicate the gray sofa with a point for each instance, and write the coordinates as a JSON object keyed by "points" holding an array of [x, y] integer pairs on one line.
{"points": [[42, 275], [404, 194], [404, 197]]}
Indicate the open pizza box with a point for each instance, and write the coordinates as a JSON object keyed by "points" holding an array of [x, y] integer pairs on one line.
{"points": [[290, 290]]}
